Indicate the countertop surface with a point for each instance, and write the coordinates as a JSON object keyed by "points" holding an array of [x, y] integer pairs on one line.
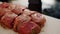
{"points": [[52, 26]]}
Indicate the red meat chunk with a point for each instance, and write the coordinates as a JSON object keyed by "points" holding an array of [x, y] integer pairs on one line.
{"points": [[28, 12], [38, 18], [4, 5], [18, 9], [8, 19], [11, 6], [21, 19], [28, 28], [3, 11]]}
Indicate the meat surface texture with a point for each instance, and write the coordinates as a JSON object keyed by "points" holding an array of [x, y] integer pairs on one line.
{"points": [[28, 28], [20, 19], [8, 19], [38, 19]]}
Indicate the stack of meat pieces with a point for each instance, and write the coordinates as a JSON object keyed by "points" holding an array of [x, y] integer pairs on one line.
{"points": [[20, 19]]}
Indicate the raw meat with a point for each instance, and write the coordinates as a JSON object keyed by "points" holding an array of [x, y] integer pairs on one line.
{"points": [[28, 28], [8, 19]]}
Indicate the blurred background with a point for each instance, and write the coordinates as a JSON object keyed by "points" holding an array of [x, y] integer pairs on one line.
{"points": [[47, 7], [51, 8]]}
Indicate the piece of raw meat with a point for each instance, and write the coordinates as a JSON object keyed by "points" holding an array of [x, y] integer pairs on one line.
{"points": [[18, 9], [28, 12], [3, 11], [21, 19], [38, 18], [28, 28], [4, 5], [8, 19]]}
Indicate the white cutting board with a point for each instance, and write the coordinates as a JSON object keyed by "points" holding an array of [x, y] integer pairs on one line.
{"points": [[52, 26]]}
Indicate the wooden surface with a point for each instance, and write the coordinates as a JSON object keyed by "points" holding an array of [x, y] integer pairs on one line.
{"points": [[52, 26]]}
